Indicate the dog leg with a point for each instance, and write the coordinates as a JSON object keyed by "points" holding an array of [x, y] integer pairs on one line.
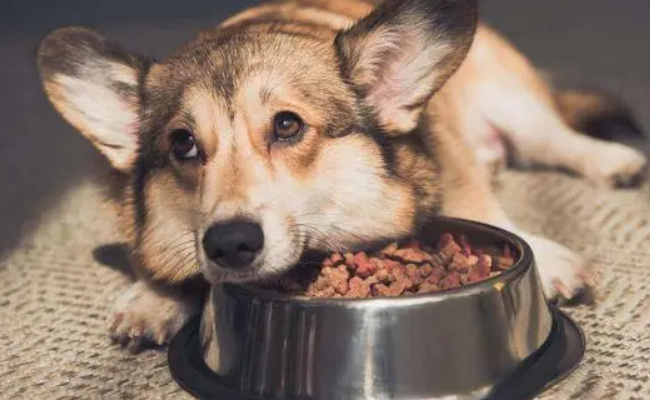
{"points": [[147, 314], [540, 135], [498, 87]]}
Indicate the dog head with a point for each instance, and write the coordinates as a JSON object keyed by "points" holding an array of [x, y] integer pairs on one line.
{"points": [[246, 149]]}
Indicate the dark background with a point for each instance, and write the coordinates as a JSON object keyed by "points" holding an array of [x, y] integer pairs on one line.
{"points": [[604, 43]]}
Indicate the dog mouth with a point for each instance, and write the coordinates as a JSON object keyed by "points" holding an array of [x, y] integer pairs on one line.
{"points": [[222, 275], [278, 259]]}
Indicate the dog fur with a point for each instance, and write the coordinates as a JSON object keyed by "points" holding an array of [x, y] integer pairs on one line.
{"points": [[409, 105]]}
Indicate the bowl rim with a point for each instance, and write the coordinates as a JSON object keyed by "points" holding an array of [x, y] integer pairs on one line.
{"points": [[524, 262]]}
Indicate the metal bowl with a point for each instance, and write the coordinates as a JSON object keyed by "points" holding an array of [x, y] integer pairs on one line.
{"points": [[464, 343]]}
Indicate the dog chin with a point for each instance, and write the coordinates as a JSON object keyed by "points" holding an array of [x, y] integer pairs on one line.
{"points": [[217, 275]]}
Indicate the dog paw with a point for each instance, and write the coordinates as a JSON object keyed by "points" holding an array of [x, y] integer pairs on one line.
{"points": [[145, 316], [615, 165], [562, 272]]}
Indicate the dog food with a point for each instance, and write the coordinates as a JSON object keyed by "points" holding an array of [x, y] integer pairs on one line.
{"points": [[399, 270]]}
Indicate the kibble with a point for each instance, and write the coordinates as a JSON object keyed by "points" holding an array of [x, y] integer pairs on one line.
{"points": [[400, 270]]}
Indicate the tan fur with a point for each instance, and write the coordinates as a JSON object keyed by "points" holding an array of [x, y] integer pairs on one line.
{"points": [[209, 116], [497, 93], [404, 115], [335, 15]]}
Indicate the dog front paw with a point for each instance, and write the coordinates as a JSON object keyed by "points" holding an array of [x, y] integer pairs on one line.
{"points": [[615, 165], [563, 273], [146, 316]]}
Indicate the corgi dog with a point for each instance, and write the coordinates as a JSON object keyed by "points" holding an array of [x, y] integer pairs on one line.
{"points": [[304, 125]]}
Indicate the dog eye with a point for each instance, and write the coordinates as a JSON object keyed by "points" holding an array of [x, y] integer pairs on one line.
{"points": [[183, 144], [287, 126]]}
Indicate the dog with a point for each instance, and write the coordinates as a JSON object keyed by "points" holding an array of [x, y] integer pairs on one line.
{"points": [[321, 125]]}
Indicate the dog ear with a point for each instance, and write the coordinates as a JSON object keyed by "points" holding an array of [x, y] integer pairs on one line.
{"points": [[94, 84], [403, 52]]}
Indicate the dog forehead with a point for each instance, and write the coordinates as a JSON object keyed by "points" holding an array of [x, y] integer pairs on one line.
{"points": [[227, 63]]}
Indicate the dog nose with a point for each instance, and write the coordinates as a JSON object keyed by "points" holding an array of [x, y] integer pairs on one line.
{"points": [[233, 244]]}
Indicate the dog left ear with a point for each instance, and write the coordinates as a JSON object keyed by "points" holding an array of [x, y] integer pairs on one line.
{"points": [[403, 52]]}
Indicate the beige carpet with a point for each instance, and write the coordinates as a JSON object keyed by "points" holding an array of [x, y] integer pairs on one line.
{"points": [[55, 298]]}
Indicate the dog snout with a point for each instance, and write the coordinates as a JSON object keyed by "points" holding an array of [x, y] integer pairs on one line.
{"points": [[233, 244]]}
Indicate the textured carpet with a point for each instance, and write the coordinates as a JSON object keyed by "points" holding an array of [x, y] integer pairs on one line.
{"points": [[57, 285]]}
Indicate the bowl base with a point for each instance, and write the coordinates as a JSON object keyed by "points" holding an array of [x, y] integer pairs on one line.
{"points": [[557, 358]]}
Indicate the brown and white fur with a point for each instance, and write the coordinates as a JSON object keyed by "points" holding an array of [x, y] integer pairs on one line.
{"points": [[408, 105]]}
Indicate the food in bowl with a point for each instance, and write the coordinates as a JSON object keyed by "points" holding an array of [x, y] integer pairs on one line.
{"points": [[398, 270]]}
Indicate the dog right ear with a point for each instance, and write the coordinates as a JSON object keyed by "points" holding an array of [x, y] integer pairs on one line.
{"points": [[401, 53], [94, 84]]}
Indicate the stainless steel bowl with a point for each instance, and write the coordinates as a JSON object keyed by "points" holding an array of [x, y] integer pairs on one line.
{"points": [[457, 344]]}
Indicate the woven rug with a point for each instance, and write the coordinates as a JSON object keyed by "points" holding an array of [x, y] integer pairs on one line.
{"points": [[56, 290]]}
